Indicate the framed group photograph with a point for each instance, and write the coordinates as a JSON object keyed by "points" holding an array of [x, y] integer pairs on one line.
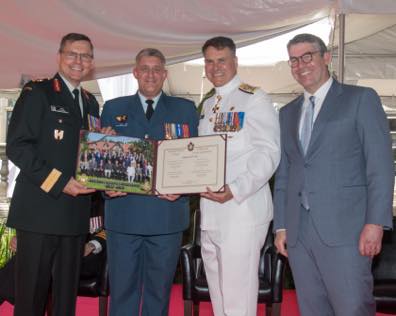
{"points": [[144, 166]]}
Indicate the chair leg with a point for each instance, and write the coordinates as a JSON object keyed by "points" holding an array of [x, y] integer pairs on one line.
{"points": [[187, 307], [275, 309], [268, 309], [196, 309], [103, 305]]}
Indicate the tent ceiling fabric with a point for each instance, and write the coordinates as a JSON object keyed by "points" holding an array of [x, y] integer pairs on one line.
{"points": [[30, 30]]}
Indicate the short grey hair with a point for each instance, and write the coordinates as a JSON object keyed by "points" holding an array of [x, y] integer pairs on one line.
{"points": [[150, 52]]}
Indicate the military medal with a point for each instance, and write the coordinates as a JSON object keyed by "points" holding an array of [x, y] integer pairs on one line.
{"points": [[176, 130], [216, 107], [93, 123]]}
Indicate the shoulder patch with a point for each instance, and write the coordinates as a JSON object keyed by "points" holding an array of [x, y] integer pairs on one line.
{"points": [[244, 87], [208, 95]]}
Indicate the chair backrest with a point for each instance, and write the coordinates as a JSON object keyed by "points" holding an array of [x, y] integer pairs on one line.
{"points": [[265, 263], [196, 239]]}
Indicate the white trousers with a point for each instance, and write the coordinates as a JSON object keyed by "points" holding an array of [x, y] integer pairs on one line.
{"points": [[231, 261]]}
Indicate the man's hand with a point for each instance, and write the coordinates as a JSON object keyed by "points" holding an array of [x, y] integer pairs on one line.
{"points": [[220, 197], [169, 197], [114, 194], [88, 248], [280, 242], [370, 240], [75, 188], [108, 131]]}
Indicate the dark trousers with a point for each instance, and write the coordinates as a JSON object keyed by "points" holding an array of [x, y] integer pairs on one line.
{"points": [[7, 282], [43, 261]]}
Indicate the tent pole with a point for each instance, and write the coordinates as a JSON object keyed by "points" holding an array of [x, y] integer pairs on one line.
{"points": [[341, 43]]}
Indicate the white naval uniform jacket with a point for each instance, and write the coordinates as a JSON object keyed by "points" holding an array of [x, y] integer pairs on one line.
{"points": [[253, 154]]}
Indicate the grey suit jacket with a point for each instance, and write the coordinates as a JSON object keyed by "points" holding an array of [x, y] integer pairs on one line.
{"points": [[348, 167]]}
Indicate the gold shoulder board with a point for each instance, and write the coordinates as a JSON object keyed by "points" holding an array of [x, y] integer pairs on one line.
{"points": [[244, 87]]}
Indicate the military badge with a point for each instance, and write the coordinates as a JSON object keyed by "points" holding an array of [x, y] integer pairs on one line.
{"points": [[121, 118], [58, 109], [216, 107], [56, 85], [58, 134]]}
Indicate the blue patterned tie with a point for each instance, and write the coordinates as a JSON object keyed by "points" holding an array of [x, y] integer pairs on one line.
{"points": [[306, 129]]}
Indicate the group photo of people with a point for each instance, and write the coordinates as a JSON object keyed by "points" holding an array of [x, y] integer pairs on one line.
{"points": [[116, 160], [307, 200]]}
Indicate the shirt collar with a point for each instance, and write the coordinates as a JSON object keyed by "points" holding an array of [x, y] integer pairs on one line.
{"points": [[229, 86], [69, 85], [321, 93], [143, 99]]}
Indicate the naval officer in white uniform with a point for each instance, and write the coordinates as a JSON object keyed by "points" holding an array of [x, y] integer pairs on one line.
{"points": [[234, 223]]}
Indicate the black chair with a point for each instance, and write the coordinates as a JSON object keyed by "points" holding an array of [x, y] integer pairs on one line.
{"points": [[195, 286], [97, 286], [93, 285], [384, 272]]}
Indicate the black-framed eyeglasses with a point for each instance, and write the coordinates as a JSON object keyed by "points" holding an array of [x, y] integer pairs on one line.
{"points": [[87, 58], [305, 58]]}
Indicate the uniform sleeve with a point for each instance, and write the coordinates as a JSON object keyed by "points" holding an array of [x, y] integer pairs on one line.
{"points": [[105, 118], [193, 119], [262, 126], [280, 187], [24, 135]]}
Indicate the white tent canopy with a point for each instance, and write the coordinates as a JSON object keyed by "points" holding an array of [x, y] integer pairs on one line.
{"points": [[30, 30]]}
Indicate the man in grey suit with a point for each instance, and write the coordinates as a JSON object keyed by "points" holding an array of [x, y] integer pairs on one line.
{"points": [[334, 186]]}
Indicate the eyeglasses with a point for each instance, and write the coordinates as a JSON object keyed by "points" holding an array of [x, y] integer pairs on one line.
{"points": [[305, 58], [87, 58], [155, 70]]}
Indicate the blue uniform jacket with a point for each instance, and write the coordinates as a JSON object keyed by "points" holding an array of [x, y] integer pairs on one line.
{"points": [[139, 214]]}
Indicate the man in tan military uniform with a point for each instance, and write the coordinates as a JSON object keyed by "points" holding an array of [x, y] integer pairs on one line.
{"points": [[234, 223]]}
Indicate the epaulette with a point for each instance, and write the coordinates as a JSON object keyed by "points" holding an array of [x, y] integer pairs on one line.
{"points": [[29, 86], [244, 87], [206, 96], [40, 79]]}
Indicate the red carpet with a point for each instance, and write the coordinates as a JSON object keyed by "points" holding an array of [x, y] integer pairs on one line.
{"points": [[89, 306]]}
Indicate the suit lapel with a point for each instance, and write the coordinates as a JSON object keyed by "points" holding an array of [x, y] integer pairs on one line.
{"points": [[324, 116], [294, 123]]}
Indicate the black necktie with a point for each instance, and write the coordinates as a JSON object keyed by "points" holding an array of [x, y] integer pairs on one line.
{"points": [[150, 109], [76, 93]]}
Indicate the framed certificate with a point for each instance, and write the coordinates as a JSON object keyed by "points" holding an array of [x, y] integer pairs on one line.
{"points": [[144, 166]]}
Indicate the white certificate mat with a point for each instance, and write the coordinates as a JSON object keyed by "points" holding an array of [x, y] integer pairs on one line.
{"points": [[191, 165]]}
